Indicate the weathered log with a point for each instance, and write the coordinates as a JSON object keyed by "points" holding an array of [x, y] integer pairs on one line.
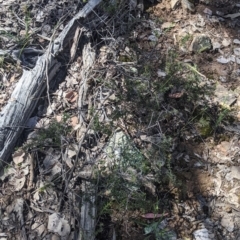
{"points": [[89, 190], [31, 85]]}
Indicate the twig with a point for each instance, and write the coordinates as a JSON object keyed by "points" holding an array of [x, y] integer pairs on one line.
{"points": [[31, 169], [195, 70], [76, 38]]}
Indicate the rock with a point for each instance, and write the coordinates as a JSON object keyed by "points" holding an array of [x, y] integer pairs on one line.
{"points": [[201, 234], [236, 41], [161, 73], [224, 97], [219, 13], [228, 223], [200, 43], [207, 11], [223, 60], [223, 79], [152, 38], [174, 3]]}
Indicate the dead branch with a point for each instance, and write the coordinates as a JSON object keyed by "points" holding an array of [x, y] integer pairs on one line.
{"points": [[32, 84]]}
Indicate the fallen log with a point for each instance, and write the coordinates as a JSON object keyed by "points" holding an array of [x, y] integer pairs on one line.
{"points": [[32, 84]]}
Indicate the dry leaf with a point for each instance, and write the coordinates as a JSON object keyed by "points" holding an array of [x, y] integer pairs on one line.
{"points": [[71, 96], [74, 121], [59, 118], [18, 157], [19, 183]]}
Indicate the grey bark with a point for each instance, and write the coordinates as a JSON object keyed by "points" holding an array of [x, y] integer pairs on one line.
{"points": [[31, 85]]}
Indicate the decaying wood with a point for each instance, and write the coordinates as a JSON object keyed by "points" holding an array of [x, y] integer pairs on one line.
{"points": [[88, 205], [31, 85], [88, 212]]}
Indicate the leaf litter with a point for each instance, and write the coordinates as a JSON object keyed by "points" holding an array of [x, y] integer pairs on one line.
{"points": [[203, 187]]}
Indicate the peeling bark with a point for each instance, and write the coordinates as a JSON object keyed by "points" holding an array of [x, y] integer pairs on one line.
{"points": [[31, 85]]}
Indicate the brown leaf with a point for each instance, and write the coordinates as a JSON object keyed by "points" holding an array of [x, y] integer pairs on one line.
{"points": [[74, 121], [71, 96], [18, 157]]}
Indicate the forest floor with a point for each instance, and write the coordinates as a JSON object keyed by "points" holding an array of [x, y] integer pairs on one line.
{"points": [[148, 141]]}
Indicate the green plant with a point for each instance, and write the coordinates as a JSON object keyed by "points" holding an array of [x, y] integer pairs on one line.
{"points": [[158, 231], [6, 168], [100, 126], [43, 189], [224, 113], [25, 38], [121, 184], [1, 61], [185, 39], [8, 35], [51, 135], [168, 29], [204, 125]]}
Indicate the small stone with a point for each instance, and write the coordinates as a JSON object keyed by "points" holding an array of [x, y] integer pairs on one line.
{"points": [[207, 11], [228, 223], [224, 96], [152, 38], [223, 60], [201, 234], [161, 73], [200, 44], [219, 13], [223, 79], [236, 41], [46, 29]]}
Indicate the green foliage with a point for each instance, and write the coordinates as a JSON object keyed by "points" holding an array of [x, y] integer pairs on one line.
{"points": [[169, 28], [25, 39], [205, 127], [185, 39], [155, 229], [45, 187], [1, 61], [121, 187], [51, 136], [101, 127], [184, 76], [224, 113]]}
